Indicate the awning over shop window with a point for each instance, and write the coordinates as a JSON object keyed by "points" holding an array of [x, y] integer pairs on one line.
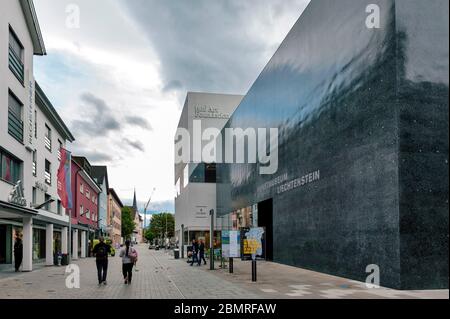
{"points": [[11, 211]]}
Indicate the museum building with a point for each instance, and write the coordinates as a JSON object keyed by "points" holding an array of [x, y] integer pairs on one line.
{"points": [[362, 114]]}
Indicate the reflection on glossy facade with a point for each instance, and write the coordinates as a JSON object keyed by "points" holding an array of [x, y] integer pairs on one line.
{"points": [[363, 156]]}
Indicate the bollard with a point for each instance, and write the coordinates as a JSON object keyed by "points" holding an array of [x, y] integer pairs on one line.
{"points": [[254, 277]]}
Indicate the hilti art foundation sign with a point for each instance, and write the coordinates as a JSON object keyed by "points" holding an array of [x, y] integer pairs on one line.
{"points": [[236, 146]]}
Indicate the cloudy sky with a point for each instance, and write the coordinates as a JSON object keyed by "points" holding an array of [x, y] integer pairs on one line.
{"points": [[120, 77]]}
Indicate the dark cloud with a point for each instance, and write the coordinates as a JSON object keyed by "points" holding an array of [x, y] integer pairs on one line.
{"points": [[94, 156], [135, 144], [212, 45], [173, 86], [99, 119], [138, 121]]}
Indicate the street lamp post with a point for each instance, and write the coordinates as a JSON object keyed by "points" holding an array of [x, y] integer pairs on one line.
{"points": [[211, 241], [145, 210], [69, 244], [165, 239], [182, 241]]}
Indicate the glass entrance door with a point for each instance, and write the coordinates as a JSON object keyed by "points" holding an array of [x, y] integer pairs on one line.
{"points": [[5, 244]]}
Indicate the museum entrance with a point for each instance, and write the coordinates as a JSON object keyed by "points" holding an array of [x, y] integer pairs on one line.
{"points": [[265, 219], [5, 244]]}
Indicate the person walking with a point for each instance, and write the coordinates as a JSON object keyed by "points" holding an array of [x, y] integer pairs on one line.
{"points": [[101, 252], [201, 252], [89, 249], [129, 258], [194, 252], [18, 253]]}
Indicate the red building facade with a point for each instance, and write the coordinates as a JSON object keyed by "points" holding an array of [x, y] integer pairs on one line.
{"points": [[85, 212]]}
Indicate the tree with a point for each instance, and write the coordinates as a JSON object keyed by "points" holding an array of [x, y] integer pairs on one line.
{"points": [[128, 225], [149, 235], [158, 225]]}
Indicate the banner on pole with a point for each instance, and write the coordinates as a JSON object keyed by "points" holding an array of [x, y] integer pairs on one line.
{"points": [[64, 179]]}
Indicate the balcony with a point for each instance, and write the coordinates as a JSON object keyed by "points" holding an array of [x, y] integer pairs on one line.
{"points": [[15, 126], [16, 65]]}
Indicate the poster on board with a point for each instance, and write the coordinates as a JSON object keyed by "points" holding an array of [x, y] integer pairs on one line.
{"points": [[252, 243], [231, 244]]}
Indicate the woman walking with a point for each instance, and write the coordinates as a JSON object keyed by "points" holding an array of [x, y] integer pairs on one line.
{"points": [[129, 257], [18, 253]]}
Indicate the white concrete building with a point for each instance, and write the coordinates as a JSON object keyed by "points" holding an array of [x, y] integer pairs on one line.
{"points": [[31, 134], [195, 182]]}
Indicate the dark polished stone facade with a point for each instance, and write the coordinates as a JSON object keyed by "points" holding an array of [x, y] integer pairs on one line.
{"points": [[368, 109]]}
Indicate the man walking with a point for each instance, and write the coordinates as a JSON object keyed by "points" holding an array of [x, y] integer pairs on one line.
{"points": [[201, 252], [101, 251], [194, 252], [18, 253]]}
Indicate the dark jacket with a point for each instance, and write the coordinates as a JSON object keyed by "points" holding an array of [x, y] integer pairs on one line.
{"points": [[18, 248], [101, 251], [201, 248]]}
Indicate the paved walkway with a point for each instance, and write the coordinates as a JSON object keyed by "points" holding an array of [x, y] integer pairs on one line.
{"points": [[163, 277], [276, 281]]}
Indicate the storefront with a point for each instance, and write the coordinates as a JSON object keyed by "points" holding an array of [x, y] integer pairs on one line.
{"points": [[38, 244], [5, 244], [42, 236]]}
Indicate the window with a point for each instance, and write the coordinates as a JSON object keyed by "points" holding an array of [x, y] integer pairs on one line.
{"points": [[81, 188], [47, 199], [81, 210], [88, 214], [210, 173], [34, 163], [48, 172], [59, 150], [15, 122], [15, 56], [59, 207], [177, 188], [186, 176], [204, 173], [10, 168], [88, 194], [34, 196], [48, 138]]}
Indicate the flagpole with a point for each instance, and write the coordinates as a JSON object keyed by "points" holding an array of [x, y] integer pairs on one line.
{"points": [[70, 210], [69, 244]]}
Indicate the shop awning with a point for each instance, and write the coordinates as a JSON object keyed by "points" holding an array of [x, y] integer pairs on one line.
{"points": [[11, 211]]}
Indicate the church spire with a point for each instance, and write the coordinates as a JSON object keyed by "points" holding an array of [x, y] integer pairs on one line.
{"points": [[134, 201]]}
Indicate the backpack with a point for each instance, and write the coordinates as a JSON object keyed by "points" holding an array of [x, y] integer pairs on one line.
{"points": [[132, 254], [101, 252]]}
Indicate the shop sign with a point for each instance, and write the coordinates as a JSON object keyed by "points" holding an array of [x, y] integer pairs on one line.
{"points": [[30, 114], [201, 212], [41, 186], [209, 112], [16, 196]]}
